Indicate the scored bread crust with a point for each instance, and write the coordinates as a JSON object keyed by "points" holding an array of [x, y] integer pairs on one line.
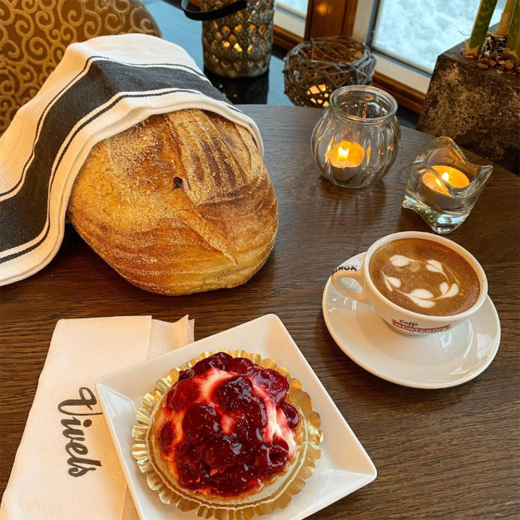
{"points": [[178, 204]]}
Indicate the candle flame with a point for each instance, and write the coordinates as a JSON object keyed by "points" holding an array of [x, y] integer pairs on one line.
{"points": [[451, 176], [441, 188], [343, 152], [445, 177], [346, 154]]}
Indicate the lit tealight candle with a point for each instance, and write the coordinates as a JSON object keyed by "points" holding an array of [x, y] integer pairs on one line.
{"points": [[344, 158], [347, 155], [449, 175]]}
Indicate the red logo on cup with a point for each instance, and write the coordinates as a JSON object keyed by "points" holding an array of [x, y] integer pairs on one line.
{"points": [[412, 328]]}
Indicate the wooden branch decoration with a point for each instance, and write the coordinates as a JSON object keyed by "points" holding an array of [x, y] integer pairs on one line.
{"points": [[513, 40], [505, 19], [480, 28]]}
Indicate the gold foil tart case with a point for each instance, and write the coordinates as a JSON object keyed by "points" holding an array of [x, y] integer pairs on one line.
{"points": [[276, 494]]}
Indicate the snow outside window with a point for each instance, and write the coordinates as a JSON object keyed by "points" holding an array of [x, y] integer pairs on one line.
{"points": [[417, 31], [290, 15], [298, 6]]}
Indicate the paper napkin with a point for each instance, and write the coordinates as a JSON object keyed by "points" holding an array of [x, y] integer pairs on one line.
{"points": [[66, 467]]}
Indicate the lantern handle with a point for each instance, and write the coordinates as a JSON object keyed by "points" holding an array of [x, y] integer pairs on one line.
{"points": [[215, 14]]}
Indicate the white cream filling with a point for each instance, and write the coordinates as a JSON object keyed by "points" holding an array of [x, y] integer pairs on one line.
{"points": [[277, 426]]}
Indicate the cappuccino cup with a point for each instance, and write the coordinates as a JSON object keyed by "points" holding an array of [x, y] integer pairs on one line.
{"points": [[419, 283]]}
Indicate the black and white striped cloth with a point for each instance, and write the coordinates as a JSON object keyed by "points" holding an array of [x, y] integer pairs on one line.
{"points": [[100, 88]]}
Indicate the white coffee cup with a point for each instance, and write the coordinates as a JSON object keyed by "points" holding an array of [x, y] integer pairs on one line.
{"points": [[403, 320]]}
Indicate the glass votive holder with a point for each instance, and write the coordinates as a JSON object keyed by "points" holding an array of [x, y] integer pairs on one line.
{"points": [[443, 185], [357, 138]]}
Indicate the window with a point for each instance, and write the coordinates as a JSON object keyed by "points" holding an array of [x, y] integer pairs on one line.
{"points": [[290, 15], [407, 36], [416, 32]]}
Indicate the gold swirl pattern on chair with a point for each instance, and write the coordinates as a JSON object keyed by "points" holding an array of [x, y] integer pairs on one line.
{"points": [[35, 33]]}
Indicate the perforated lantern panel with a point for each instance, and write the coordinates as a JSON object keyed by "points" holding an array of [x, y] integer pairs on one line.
{"points": [[239, 45]]}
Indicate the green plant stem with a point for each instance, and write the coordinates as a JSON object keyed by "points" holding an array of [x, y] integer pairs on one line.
{"points": [[480, 27], [513, 40], [505, 19]]}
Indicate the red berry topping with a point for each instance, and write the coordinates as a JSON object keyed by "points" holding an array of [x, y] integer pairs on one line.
{"points": [[246, 432], [262, 463], [291, 414], [183, 395], [186, 374], [222, 452], [274, 383], [235, 393], [166, 437], [227, 464], [200, 423], [249, 437], [242, 366], [188, 457], [191, 480], [255, 412], [218, 360], [236, 479], [271, 459], [278, 454]]}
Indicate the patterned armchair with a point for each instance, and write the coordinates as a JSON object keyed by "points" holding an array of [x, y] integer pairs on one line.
{"points": [[35, 33]]}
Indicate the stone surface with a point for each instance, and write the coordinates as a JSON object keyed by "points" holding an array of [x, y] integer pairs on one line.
{"points": [[479, 109]]}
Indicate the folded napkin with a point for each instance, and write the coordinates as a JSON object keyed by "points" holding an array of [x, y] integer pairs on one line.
{"points": [[66, 467], [100, 88]]}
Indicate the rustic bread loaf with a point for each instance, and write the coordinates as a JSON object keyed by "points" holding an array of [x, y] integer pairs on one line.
{"points": [[180, 203]]}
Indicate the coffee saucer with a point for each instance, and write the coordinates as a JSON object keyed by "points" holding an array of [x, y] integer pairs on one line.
{"points": [[440, 360]]}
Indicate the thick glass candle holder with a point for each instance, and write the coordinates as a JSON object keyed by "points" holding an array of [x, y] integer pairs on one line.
{"points": [[443, 185], [357, 139]]}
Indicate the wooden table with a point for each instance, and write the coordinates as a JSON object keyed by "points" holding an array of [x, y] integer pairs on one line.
{"points": [[445, 454]]}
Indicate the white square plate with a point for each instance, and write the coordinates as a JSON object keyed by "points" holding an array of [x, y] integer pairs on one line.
{"points": [[343, 468]]}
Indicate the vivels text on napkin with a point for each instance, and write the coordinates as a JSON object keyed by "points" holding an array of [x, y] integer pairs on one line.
{"points": [[76, 408]]}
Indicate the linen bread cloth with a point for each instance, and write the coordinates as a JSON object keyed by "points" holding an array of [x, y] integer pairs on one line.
{"points": [[100, 88], [66, 466]]}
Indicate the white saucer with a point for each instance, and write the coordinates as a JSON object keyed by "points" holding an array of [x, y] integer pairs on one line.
{"points": [[434, 361]]}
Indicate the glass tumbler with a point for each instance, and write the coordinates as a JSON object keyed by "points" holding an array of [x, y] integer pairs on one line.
{"points": [[357, 138]]}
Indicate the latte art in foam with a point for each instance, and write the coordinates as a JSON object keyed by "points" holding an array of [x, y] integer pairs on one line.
{"points": [[425, 277], [449, 288]]}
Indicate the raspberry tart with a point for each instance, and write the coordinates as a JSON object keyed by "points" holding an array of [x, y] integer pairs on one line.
{"points": [[227, 431]]}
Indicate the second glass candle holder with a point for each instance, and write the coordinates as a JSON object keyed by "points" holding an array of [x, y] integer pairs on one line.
{"points": [[443, 185], [357, 139]]}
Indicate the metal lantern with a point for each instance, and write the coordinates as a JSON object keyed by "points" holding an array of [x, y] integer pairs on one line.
{"points": [[237, 36]]}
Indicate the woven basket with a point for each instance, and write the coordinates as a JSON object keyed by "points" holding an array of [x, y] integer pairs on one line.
{"points": [[316, 68]]}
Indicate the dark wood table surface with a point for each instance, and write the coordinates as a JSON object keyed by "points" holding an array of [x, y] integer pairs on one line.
{"points": [[442, 454]]}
